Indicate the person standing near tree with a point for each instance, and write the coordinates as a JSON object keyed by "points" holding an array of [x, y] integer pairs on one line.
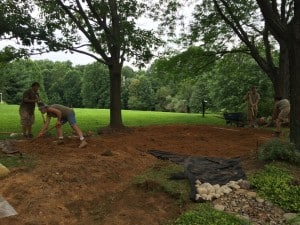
{"points": [[27, 107], [63, 114], [281, 113], [252, 98]]}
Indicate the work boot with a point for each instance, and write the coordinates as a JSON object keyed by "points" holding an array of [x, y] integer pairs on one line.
{"points": [[83, 144]]}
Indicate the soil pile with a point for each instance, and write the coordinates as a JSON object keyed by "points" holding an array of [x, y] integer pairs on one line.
{"points": [[88, 186]]}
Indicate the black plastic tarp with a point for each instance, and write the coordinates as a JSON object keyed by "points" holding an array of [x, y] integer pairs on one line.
{"points": [[214, 170]]}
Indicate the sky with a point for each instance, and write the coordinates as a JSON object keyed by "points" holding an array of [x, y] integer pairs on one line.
{"points": [[75, 58], [82, 59]]}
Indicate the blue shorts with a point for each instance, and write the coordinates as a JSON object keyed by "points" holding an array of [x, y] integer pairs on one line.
{"points": [[70, 118]]}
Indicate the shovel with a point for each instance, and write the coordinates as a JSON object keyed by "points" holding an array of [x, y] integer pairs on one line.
{"points": [[6, 209], [45, 132]]}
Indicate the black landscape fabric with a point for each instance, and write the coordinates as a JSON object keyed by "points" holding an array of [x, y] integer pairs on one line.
{"points": [[214, 170]]}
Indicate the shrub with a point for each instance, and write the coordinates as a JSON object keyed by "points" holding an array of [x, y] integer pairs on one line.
{"points": [[278, 149], [275, 184], [205, 214]]}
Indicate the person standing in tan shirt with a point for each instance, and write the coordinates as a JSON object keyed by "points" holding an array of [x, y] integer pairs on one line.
{"points": [[27, 107], [252, 98]]}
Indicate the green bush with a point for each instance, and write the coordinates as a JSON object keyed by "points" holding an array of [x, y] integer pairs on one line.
{"points": [[205, 214], [294, 221], [278, 149], [275, 184]]}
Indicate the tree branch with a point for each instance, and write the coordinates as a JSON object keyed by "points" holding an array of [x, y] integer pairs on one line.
{"points": [[278, 29]]}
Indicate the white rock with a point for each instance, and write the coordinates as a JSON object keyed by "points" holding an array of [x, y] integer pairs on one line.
{"points": [[232, 182], [226, 190], [219, 207], [251, 194], [201, 190], [206, 185], [216, 186], [236, 187], [197, 196], [217, 195], [198, 182], [3, 170], [209, 197]]}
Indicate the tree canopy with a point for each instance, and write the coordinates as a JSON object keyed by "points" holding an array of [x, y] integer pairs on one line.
{"points": [[238, 26], [16, 23], [104, 30], [289, 33]]}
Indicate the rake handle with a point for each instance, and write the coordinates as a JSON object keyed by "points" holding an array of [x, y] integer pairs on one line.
{"points": [[45, 132]]}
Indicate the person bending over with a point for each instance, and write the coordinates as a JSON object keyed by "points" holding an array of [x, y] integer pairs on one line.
{"points": [[63, 114], [281, 113]]}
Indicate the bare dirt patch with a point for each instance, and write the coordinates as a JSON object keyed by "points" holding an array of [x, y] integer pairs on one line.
{"points": [[88, 186]]}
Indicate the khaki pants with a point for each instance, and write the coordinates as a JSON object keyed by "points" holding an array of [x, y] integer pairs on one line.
{"points": [[27, 119]]}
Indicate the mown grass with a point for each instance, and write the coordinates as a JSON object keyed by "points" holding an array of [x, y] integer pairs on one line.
{"points": [[25, 162], [157, 178], [93, 119]]}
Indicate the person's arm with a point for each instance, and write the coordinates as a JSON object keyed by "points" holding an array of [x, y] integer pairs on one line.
{"points": [[38, 98], [45, 127], [274, 116], [58, 115], [250, 100], [255, 104]]}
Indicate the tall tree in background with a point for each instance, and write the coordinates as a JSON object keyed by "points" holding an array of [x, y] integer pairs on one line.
{"points": [[103, 29], [236, 26], [290, 34], [95, 86], [16, 23]]}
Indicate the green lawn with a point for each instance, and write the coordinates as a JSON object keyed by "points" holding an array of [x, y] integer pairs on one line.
{"points": [[92, 119]]}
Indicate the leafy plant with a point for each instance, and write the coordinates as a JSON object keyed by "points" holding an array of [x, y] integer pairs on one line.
{"points": [[278, 149], [205, 214], [294, 221], [275, 184]]}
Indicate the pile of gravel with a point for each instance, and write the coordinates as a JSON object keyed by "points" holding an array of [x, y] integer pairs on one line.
{"points": [[248, 205]]}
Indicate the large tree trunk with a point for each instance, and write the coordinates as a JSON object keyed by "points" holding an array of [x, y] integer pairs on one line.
{"points": [[291, 36], [279, 75], [294, 50], [115, 97], [282, 86]]}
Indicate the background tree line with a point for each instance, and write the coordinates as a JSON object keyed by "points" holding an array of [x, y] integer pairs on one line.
{"points": [[174, 84], [268, 31]]}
